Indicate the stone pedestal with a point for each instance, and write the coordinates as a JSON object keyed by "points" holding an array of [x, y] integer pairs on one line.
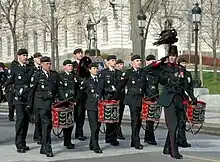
{"points": [[201, 91]]}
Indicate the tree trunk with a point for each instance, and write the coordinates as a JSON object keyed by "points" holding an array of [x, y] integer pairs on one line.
{"points": [[136, 38], [15, 45], [214, 64]]}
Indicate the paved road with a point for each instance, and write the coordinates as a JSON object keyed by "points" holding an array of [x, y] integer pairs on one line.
{"points": [[205, 148]]}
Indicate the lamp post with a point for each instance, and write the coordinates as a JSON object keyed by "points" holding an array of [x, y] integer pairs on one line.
{"points": [[52, 6], [196, 18], [142, 23]]}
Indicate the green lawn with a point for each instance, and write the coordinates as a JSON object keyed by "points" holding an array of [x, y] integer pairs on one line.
{"points": [[214, 87]]}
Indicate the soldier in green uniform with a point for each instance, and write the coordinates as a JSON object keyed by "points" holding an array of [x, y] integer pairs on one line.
{"points": [[45, 86], [151, 91], [18, 80], [181, 135], [92, 89], [38, 130], [120, 66], [133, 98], [172, 77], [69, 83], [109, 78], [80, 107]]}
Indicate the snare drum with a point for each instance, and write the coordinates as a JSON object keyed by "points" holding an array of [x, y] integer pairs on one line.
{"points": [[108, 111], [196, 113], [150, 110], [63, 114]]}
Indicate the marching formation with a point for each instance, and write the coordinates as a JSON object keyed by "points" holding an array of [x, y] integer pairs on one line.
{"points": [[36, 90]]}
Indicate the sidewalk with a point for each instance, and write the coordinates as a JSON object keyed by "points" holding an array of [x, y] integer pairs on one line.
{"points": [[211, 125]]}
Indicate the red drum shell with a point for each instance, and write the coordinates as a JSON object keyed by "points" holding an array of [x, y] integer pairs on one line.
{"points": [[146, 114], [108, 106], [63, 114]]}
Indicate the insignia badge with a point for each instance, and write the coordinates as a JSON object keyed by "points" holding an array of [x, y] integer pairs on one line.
{"points": [[92, 90], [32, 79], [81, 82], [113, 88], [122, 78], [123, 74], [61, 83], [108, 81], [19, 77], [16, 98], [189, 79], [146, 78], [133, 82], [66, 94], [75, 79], [152, 87], [9, 71], [31, 85], [176, 74], [65, 84], [42, 86]]}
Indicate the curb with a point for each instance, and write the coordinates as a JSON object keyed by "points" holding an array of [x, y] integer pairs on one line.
{"points": [[207, 128]]}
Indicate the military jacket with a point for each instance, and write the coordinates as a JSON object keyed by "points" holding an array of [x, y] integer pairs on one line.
{"points": [[109, 81], [70, 84], [150, 85], [44, 89], [18, 80], [134, 82], [92, 89]]}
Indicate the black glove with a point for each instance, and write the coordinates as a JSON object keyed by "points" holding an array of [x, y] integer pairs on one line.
{"points": [[29, 110], [163, 59]]}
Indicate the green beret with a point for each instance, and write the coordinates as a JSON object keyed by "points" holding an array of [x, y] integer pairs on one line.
{"points": [[22, 51], [45, 59], [67, 62]]}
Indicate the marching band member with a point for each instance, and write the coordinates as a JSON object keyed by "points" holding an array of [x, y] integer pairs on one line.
{"points": [[109, 78], [45, 85], [133, 97], [172, 77], [92, 89], [18, 80], [151, 91], [181, 135], [38, 130], [69, 84], [80, 107], [120, 66]]}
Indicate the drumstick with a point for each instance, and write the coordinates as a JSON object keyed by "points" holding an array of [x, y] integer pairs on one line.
{"points": [[63, 101]]}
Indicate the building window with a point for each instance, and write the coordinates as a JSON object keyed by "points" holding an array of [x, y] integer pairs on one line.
{"points": [[105, 29], [26, 41], [79, 33], [45, 40], [35, 41], [193, 37], [9, 45], [0, 47]]}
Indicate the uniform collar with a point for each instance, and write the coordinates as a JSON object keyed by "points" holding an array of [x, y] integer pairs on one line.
{"points": [[21, 63], [36, 65], [67, 72], [45, 71], [111, 68], [93, 76]]}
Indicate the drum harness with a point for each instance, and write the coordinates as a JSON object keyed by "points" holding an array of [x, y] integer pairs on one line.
{"points": [[147, 127]]}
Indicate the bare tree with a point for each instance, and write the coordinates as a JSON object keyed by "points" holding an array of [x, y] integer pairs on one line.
{"points": [[10, 13], [211, 29]]}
